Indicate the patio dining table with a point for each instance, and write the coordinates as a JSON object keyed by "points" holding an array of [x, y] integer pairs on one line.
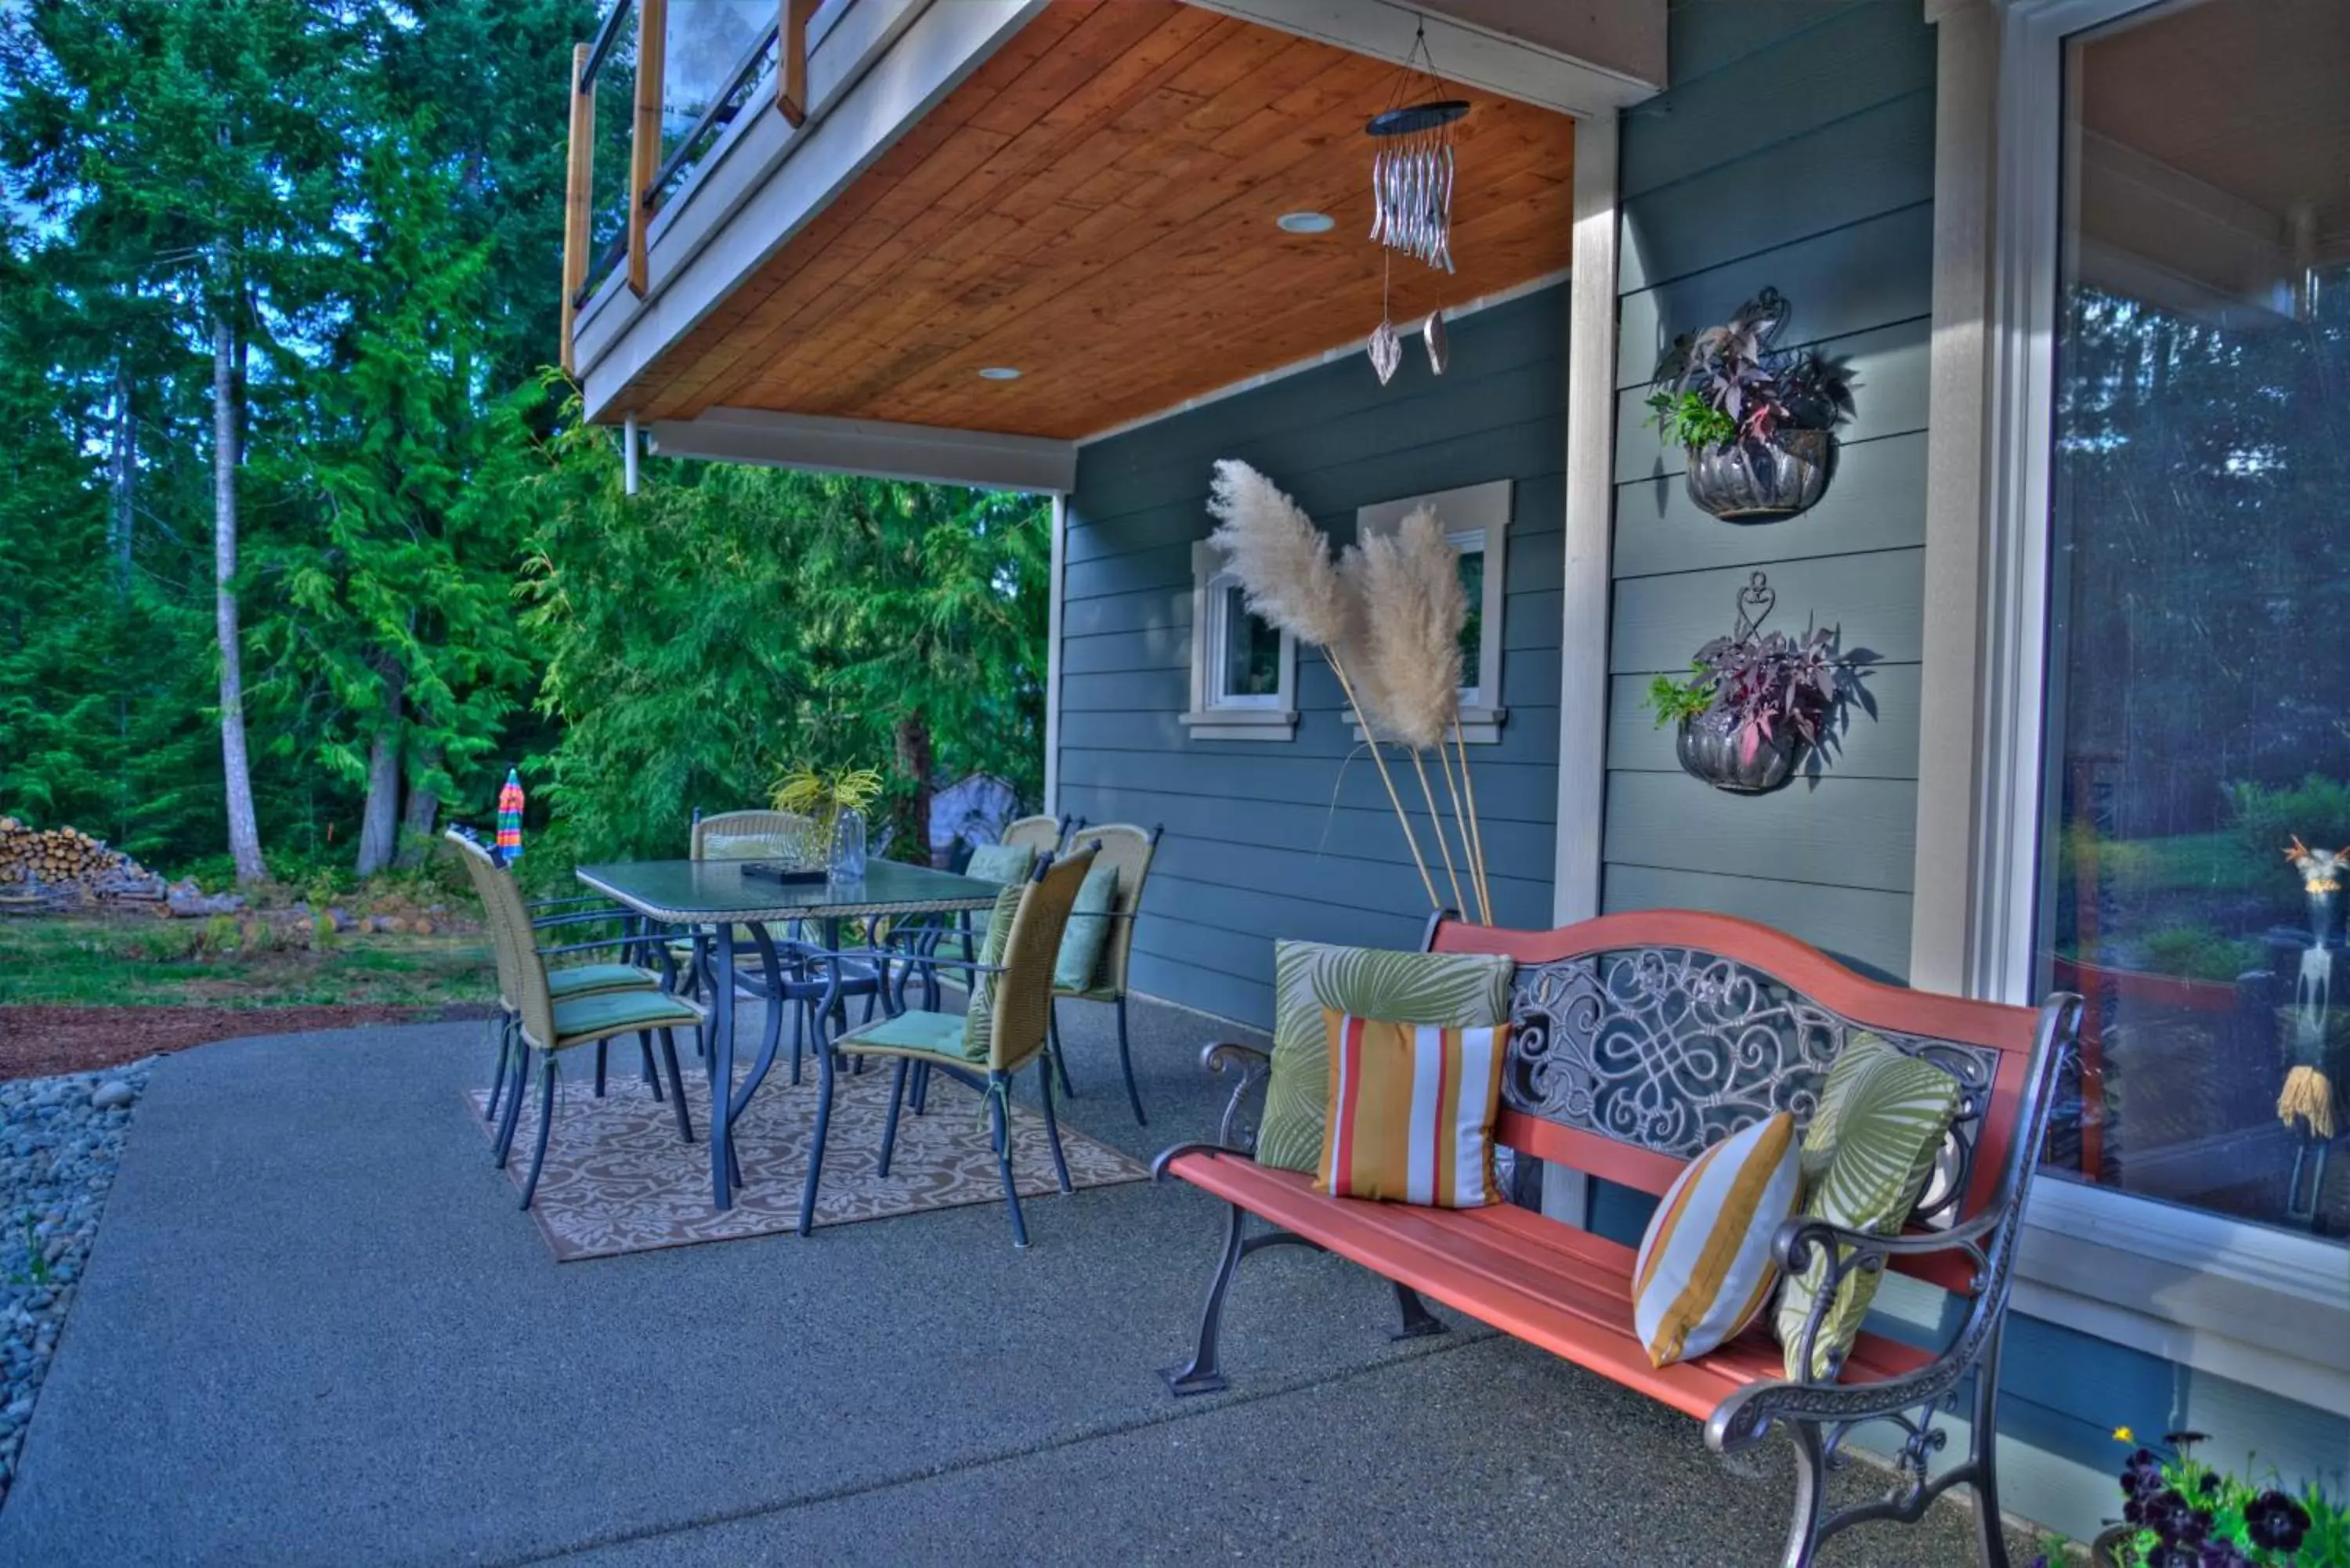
{"points": [[712, 897]]}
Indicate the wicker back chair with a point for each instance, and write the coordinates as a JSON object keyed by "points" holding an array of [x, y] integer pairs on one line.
{"points": [[1011, 1004], [1041, 834], [541, 1021], [1131, 850], [780, 829]]}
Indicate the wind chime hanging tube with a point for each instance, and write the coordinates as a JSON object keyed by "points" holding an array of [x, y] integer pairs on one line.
{"points": [[1412, 179]]}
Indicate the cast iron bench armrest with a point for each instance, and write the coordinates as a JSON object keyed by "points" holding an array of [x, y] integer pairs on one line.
{"points": [[1254, 1067]]}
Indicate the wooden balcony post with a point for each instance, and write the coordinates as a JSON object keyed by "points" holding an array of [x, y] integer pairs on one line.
{"points": [[578, 187], [644, 149], [791, 60]]}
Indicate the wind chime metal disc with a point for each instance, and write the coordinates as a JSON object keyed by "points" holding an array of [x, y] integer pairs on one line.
{"points": [[1417, 117]]}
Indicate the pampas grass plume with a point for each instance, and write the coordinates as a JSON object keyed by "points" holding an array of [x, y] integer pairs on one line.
{"points": [[1282, 560], [1411, 609]]}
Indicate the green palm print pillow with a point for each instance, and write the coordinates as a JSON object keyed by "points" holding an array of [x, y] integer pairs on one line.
{"points": [[1456, 990], [1866, 1158]]}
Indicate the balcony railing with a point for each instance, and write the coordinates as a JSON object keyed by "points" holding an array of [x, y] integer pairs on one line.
{"points": [[690, 68]]}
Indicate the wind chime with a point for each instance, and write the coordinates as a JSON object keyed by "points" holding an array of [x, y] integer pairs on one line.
{"points": [[1412, 194]]}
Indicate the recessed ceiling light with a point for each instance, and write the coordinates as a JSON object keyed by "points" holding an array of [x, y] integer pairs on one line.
{"points": [[1306, 222], [1000, 373]]}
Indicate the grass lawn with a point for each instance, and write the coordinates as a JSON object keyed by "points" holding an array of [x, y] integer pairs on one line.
{"points": [[139, 960]]}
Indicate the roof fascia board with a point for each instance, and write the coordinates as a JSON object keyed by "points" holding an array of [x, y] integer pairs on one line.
{"points": [[1465, 52], [874, 447]]}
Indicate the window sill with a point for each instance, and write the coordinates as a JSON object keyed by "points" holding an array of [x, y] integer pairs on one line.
{"points": [[2260, 1306], [1243, 724], [1478, 726]]}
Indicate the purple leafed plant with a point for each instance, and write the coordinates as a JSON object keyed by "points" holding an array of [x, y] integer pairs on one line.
{"points": [[1727, 383], [1761, 686]]}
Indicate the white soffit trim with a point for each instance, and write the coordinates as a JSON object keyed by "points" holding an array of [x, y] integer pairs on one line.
{"points": [[875, 447], [883, 65], [1464, 52], [1328, 356]]}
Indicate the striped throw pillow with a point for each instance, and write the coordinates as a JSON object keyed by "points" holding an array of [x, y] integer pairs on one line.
{"points": [[1412, 1111], [1705, 1268], [1868, 1153]]}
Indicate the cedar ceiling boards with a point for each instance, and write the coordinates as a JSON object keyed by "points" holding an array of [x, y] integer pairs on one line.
{"points": [[1095, 206]]}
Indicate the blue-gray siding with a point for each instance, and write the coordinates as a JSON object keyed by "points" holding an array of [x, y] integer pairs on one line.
{"points": [[1794, 150], [1269, 839]]}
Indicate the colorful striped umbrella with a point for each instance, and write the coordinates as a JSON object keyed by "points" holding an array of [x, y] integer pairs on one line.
{"points": [[510, 818]]}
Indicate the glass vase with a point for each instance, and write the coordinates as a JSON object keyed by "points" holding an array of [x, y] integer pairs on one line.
{"points": [[848, 861]]}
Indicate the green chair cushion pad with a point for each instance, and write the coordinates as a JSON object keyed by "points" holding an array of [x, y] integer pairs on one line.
{"points": [[912, 1033], [582, 1019], [587, 979]]}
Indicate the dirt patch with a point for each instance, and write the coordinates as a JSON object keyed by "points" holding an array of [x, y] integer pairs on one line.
{"points": [[36, 1042]]}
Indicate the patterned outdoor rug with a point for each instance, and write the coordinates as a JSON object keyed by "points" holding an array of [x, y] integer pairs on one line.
{"points": [[618, 1179]]}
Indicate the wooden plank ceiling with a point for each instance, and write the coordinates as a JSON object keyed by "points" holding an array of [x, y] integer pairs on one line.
{"points": [[1095, 206]]}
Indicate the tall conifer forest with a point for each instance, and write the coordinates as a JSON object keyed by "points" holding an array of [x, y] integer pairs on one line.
{"points": [[302, 542]]}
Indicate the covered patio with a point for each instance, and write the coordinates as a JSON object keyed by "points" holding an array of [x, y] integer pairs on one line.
{"points": [[316, 1329]]}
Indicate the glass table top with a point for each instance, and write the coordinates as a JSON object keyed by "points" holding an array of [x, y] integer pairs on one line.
{"points": [[705, 891]]}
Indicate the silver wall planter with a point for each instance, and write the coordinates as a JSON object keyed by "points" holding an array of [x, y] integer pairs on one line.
{"points": [[1709, 749], [1761, 481]]}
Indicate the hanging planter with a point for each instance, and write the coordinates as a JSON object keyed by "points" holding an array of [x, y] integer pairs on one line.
{"points": [[1758, 423], [1762, 480], [1756, 703]]}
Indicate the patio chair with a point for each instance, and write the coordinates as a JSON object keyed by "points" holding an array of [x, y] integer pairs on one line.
{"points": [[1003, 1031], [1131, 850], [552, 1027], [1041, 834], [565, 982]]}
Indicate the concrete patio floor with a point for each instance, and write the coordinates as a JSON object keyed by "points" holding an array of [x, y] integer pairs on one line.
{"points": [[315, 1330]]}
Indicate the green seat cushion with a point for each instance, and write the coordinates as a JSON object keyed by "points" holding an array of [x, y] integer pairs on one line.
{"points": [[586, 979], [599, 1017], [998, 863], [933, 1033], [1866, 1158], [1453, 991], [1088, 931], [979, 1013]]}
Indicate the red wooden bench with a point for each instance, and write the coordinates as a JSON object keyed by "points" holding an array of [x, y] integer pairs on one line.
{"points": [[1639, 1039]]}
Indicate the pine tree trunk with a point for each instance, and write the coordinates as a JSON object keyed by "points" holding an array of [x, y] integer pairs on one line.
{"points": [[379, 824], [913, 745], [244, 830], [121, 481], [423, 813]]}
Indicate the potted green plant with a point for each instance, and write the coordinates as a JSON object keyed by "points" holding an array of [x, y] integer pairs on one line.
{"points": [[2179, 1512], [835, 802], [1754, 702], [1758, 423]]}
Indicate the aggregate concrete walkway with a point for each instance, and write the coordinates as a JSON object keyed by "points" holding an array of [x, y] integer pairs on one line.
{"points": [[315, 1330]]}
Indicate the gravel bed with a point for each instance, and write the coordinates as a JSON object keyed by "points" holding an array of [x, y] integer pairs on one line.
{"points": [[60, 1140]]}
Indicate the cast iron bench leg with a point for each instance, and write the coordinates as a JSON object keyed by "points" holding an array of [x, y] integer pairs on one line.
{"points": [[1417, 1321], [1201, 1376]]}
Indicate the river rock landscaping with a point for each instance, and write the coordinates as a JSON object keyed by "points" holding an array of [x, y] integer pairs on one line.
{"points": [[60, 1141]]}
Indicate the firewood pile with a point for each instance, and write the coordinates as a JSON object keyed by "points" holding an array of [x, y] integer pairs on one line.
{"points": [[45, 868]]}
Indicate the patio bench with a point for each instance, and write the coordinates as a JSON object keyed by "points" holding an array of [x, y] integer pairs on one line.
{"points": [[1640, 1038]]}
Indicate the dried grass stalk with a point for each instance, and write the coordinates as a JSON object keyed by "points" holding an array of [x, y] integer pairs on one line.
{"points": [[1282, 560], [1411, 612], [1287, 575]]}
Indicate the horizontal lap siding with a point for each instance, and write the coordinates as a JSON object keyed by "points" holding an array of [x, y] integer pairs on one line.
{"points": [[1794, 150], [1272, 839]]}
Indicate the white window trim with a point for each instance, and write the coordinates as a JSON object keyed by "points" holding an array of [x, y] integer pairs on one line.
{"points": [[1217, 718], [2258, 1304], [1469, 512]]}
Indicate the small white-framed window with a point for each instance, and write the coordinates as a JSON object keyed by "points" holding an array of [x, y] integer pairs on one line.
{"points": [[1244, 671], [1476, 518]]}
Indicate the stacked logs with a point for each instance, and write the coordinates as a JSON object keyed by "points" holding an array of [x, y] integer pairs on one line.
{"points": [[64, 865]]}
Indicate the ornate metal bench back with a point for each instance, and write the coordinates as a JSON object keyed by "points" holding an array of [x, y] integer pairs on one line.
{"points": [[1672, 1048]]}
